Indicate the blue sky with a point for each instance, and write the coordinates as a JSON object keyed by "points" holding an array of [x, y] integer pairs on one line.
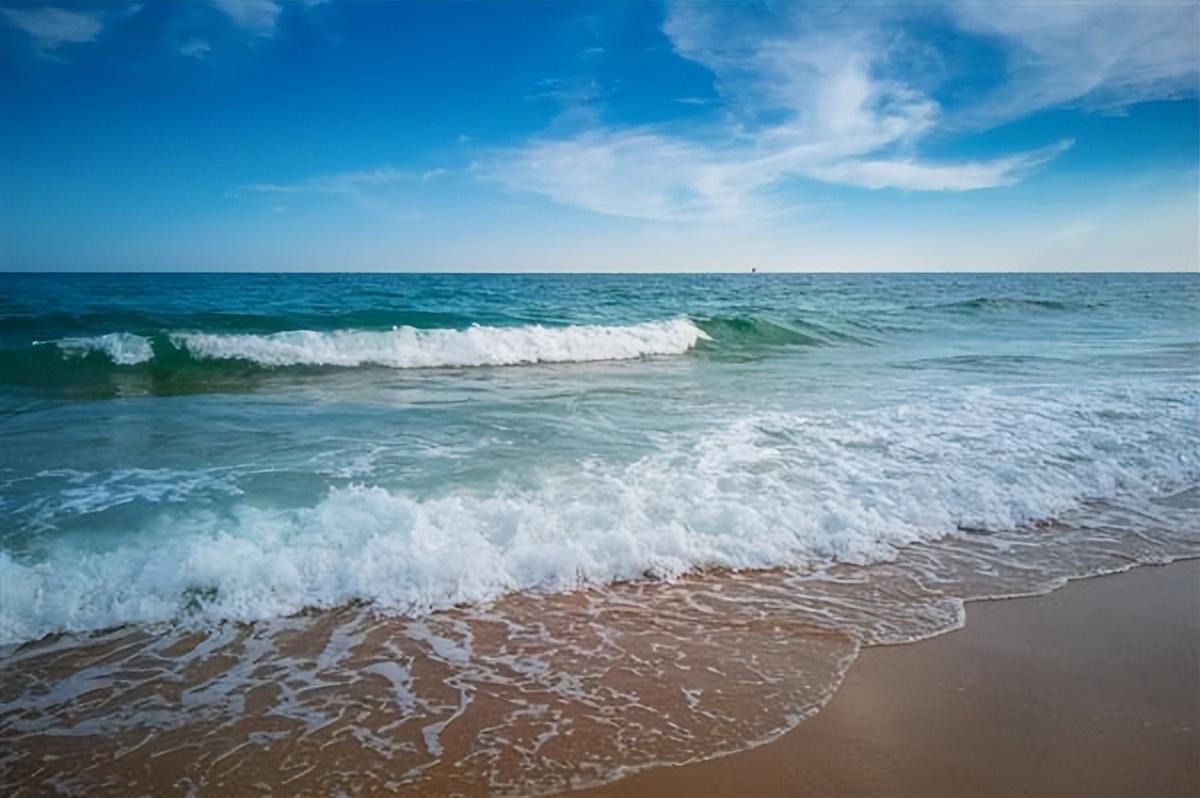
{"points": [[264, 135]]}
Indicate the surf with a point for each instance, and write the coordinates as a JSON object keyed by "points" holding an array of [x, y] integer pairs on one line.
{"points": [[401, 347]]}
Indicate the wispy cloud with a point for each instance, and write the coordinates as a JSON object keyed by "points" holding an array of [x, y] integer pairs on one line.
{"points": [[915, 176], [638, 173], [1098, 55], [366, 189], [53, 27], [340, 183], [256, 16], [842, 94], [569, 93], [195, 48]]}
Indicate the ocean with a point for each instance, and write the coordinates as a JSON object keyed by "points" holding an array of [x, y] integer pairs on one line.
{"points": [[521, 533]]}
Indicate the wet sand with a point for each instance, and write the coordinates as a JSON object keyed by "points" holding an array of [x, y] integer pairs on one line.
{"points": [[1093, 690]]}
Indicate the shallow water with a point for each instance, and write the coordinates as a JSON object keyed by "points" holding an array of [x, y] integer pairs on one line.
{"points": [[541, 530]]}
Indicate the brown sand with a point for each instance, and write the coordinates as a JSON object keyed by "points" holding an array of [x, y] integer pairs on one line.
{"points": [[1093, 690]]}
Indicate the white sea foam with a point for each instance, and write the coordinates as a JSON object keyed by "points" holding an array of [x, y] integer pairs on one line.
{"points": [[124, 349], [408, 347], [766, 490]]}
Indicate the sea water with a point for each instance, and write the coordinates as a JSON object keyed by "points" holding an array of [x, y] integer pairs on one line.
{"points": [[532, 483]]}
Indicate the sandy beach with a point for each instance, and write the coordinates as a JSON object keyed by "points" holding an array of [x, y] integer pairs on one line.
{"points": [[1090, 690]]}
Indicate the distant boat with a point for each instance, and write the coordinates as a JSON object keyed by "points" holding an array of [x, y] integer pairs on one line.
{"points": [[753, 270]]}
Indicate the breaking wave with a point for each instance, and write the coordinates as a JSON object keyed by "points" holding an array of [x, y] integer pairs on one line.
{"points": [[768, 490], [408, 347], [165, 361], [402, 347], [124, 349]]}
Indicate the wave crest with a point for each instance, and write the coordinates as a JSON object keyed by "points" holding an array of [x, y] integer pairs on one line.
{"points": [[406, 347], [123, 349]]}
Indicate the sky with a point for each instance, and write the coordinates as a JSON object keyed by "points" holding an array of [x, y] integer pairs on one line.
{"points": [[377, 136]]}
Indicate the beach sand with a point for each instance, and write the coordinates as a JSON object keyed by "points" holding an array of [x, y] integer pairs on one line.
{"points": [[1093, 690]]}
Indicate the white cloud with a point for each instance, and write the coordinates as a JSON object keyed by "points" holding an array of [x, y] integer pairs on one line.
{"points": [[341, 183], [195, 48], [257, 16], [1103, 54], [53, 27], [644, 175], [622, 173], [843, 94], [914, 176]]}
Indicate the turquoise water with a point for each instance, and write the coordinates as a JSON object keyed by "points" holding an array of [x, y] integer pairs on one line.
{"points": [[182, 447]]}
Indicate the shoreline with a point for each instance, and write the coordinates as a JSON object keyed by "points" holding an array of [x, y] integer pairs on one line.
{"points": [[351, 671], [1089, 689]]}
